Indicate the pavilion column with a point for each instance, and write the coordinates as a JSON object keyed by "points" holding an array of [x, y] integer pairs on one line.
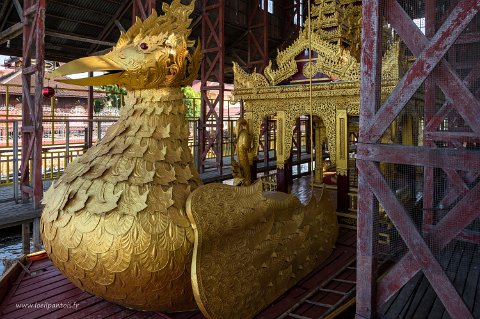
{"points": [[284, 175], [342, 160], [90, 114], [318, 154]]}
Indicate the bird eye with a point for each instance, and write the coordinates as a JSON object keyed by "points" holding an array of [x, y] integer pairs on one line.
{"points": [[143, 46]]}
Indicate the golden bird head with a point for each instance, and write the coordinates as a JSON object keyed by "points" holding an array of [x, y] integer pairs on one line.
{"points": [[153, 53]]}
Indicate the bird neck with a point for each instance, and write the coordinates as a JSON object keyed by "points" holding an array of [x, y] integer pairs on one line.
{"points": [[161, 110], [155, 99]]}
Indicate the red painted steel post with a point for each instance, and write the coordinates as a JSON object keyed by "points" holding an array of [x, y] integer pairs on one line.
{"points": [[90, 110], [142, 9], [292, 19], [257, 35], [370, 94], [32, 109], [26, 110], [39, 77], [212, 80], [429, 111], [429, 54]]}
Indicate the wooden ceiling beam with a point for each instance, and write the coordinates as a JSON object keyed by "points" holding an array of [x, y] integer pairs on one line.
{"points": [[66, 4], [75, 20], [4, 13], [120, 26], [11, 32], [77, 38], [124, 5], [19, 9]]}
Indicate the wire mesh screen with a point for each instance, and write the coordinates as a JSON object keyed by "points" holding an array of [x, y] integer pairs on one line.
{"points": [[435, 201]]}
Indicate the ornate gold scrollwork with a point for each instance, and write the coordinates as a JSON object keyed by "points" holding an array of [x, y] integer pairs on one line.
{"points": [[251, 246], [243, 147]]}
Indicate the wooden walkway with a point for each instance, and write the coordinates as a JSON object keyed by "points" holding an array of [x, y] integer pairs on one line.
{"points": [[12, 214], [43, 292], [418, 300]]}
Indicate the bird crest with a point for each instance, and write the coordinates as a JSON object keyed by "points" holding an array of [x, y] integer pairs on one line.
{"points": [[154, 53], [175, 21]]}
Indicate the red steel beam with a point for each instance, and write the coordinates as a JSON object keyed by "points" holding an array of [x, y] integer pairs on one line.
{"points": [[454, 193], [463, 213], [212, 80], [292, 19], [90, 110], [434, 121], [370, 81], [448, 158], [142, 9], [429, 111], [417, 246], [257, 35], [32, 108], [429, 54]]}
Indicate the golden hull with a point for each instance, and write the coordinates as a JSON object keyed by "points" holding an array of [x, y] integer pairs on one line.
{"points": [[128, 268], [251, 246], [115, 222]]}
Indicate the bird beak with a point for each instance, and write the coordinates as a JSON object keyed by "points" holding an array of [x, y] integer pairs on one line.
{"points": [[89, 64]]}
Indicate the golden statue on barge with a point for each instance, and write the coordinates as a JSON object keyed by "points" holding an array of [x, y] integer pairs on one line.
{"points": [[129, 220]]}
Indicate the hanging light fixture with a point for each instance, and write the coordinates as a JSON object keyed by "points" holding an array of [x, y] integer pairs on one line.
{"points": [[48, 91]]}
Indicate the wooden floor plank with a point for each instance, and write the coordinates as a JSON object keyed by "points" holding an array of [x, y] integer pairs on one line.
{"points": [[109, 310], [41, 284], [472, 282], [458, 251], [36, 294], [65, 302], [409, 298], [122, 314], [476, 306], [40, 264], [88, 311], [425, 302], [462, 271], [14, 312], [183, 315], [79, 302], [392, 307], [33, 280]]}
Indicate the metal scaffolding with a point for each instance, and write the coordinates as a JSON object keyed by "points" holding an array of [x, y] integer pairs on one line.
{"points": [[212, 80], [453, 159], [257, 35]]}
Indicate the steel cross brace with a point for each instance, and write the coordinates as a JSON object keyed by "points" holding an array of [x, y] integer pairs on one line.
{"points": [[459, 189], [143, 9], [212, 70], [420, 254], [436, 120], [449, 227], [430, 54]]}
